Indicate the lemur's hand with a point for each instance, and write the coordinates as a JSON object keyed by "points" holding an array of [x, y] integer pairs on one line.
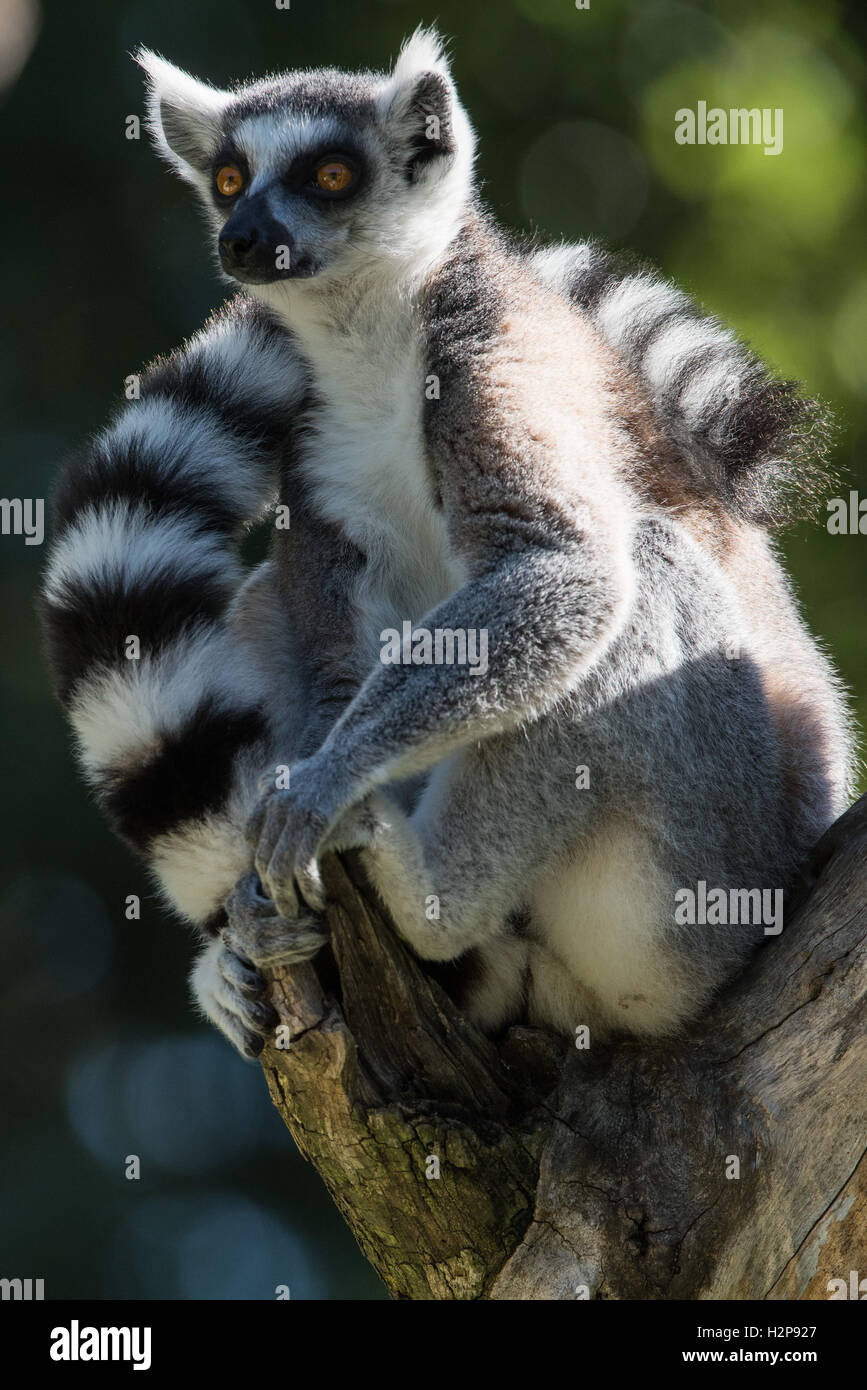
{"points": [[257, 931], [231, 993], [287, 831], [228, 980]]}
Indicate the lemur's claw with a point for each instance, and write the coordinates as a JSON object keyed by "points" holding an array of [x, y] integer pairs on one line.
{"points": [[310, 886]]}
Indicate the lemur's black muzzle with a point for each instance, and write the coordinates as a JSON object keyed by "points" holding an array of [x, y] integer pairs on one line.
{"points": [[254, 247]]}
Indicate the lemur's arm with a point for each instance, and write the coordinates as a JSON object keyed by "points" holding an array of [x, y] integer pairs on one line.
{"points": [[156, 652], [549, 581]]}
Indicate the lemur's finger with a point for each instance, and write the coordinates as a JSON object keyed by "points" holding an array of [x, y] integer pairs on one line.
{"points": [[244, 1022], [257, 1015], [281, 887], [241, 975], [286, 898], [261, 932], [248, 900]]}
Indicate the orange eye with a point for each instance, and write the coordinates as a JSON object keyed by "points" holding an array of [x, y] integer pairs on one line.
{"points": [[334, 176], [230, 180]]}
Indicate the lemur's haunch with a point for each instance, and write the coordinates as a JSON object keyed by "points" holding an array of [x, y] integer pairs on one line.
{"points": [[546, 447]]}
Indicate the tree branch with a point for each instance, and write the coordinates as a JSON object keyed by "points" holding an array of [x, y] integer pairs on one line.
{"points": [[566, 1174]]}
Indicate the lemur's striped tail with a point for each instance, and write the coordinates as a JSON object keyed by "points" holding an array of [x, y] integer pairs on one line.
{"points": [[167, 706], [760, 445]]}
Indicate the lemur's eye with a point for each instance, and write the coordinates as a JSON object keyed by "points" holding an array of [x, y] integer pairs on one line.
{"points": [[230, 180], [334, 176]]}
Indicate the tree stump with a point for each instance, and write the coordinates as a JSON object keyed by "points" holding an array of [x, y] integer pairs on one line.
{"points": [[526, 1169]]}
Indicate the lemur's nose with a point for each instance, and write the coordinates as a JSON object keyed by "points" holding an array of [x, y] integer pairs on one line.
{"points": [[236, 248], [253, 245]]}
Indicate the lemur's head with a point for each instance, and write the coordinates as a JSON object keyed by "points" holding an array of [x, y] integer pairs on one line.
{"points": [[321, 173]]}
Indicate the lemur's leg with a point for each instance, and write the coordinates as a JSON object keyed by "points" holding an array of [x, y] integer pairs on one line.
{"points": [[453, 878], [453, 873], [462, 876]]}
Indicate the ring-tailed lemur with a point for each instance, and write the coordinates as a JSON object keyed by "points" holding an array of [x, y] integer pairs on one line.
{"points": [[551, 449]]}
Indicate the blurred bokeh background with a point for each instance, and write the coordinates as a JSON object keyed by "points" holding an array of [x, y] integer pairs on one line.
{"points": [[105, 265]]}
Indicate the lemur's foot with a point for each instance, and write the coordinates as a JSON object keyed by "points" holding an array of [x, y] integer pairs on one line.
{"points": [[258, 932], [230, 991]]}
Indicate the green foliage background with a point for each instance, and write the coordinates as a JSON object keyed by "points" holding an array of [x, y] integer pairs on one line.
{"points": [[105, 265]]}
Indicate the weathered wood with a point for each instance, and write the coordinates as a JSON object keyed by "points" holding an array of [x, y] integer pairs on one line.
{"points": [[373, 1089], [605, 1174]]}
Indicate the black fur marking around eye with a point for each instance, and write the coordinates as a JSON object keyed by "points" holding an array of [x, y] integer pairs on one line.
{"points": [[190, 776], [301, 174], [228, 154]]}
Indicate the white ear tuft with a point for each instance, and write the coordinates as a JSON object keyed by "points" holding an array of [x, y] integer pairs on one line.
{"points": [[184, 114], [422, 52], [419, 102]]}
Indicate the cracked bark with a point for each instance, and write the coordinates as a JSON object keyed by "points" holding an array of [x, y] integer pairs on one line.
{"points": [[602, 1174]]}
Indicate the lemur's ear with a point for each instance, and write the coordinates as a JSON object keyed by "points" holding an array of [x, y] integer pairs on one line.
{"points": [[184, 115], [420, 102]]}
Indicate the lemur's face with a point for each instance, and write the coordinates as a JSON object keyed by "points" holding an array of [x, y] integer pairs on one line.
{"points": [[323, 173]]}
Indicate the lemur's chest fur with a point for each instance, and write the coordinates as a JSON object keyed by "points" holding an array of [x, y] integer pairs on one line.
{"points": [[364, 463]]}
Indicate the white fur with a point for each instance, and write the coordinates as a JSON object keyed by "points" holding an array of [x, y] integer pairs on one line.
{"points": [[121, 716], [180, 440], [251, 370], [125, 544], [199, 106], [710, 385], [632, 304], [198, 865], [603, 916], [207, 984], [366, 467], [669, 351], [440, 199], [558, 265]]}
